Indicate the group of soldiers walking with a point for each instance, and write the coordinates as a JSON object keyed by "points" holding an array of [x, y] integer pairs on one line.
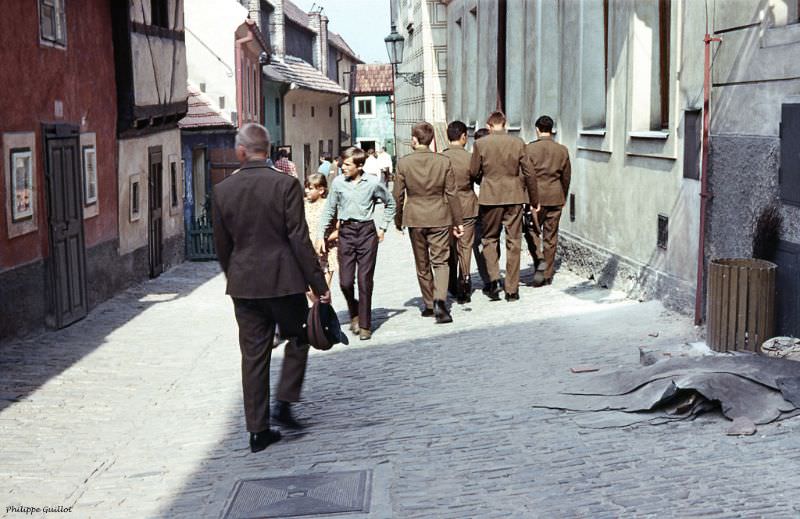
{"points": [[436, 198]]}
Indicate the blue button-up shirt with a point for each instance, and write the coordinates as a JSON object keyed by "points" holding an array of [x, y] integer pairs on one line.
{"points": [[355, 200]]}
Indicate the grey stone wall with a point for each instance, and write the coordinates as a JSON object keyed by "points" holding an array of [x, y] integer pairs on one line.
{"points": [[609, 270], [24, 311], [743, 179]]}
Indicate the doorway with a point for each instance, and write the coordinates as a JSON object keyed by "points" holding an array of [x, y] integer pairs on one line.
{"points": [[155, 238], [66, 265]]}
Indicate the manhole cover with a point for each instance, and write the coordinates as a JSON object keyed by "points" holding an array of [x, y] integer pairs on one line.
{"points": [[299, 496]]}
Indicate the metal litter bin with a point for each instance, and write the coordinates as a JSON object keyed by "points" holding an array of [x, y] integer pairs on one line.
{"points": [[740, 304]]}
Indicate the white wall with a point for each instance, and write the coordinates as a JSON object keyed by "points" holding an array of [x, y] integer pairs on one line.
{"points": [[133, 163], [210, 47]]}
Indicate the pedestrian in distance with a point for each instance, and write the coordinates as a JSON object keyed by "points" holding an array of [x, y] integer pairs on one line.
{"points": [[549, 162], [316, 193], [465, 188], [498, 160], [324, 166], [263, 247], [477, 250], [284, 164], [427, 204], [352, 199]]}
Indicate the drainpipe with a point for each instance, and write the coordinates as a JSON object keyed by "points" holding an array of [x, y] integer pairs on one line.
{"points": [[704, 194]]}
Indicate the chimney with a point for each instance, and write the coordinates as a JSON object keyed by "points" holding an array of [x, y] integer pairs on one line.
{"points": [[277, 29], [319, 24]]}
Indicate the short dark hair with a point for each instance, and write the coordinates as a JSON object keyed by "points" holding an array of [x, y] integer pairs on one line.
{"points": [[358, 155], [496, 118], [545, 124], [283, 152], [482, 132], [423, 132], [455, 130]]}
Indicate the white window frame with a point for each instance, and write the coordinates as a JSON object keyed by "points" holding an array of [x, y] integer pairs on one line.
{"points": [[374, 106], [89, 159], [59, 39]]}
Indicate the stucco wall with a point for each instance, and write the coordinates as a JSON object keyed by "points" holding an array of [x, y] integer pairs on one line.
{"points": [[57, 89], [210, 28], [302, 128], [133, 163], [426, 52], [380, 127]]}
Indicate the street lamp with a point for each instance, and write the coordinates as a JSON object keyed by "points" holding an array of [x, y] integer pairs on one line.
{"points": [[394, 46]]}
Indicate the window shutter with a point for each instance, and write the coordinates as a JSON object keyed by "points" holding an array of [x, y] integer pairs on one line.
{"points": [[790, 154]]}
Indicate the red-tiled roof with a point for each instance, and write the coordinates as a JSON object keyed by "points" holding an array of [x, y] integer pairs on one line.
{"points": [[203, 112], [373, 79], [295, 70]]}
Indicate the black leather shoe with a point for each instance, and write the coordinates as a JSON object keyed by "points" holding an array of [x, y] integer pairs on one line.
{"points": [[282, 413], [512, 297], [493, 293], [428, 312], [442, 315], [261, 440], [464, 292]]}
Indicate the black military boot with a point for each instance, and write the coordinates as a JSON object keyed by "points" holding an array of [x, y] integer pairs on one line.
{"points": [[493, 292], [441, 313]]}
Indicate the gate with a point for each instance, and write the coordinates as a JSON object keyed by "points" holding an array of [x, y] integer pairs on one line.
{"points": [[201, 239]]}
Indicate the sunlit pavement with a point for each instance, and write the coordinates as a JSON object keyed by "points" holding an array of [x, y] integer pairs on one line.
{"points": [[136, 411]]}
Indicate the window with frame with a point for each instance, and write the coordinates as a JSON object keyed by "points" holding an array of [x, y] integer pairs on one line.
{"points": [[364, 107], [159, 13], [52, 22], [651, 66]]}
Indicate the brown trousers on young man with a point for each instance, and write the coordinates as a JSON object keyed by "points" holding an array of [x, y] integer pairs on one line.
{"points": [[494, 219], [431, 246], [257, 319], [545, 237], [358, 250]]}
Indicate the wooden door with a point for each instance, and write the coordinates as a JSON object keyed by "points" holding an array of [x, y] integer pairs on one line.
{"points": [[155, 192], [66, 265]]}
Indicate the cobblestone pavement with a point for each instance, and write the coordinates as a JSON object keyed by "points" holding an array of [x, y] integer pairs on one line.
{"points": [[136, 411]]}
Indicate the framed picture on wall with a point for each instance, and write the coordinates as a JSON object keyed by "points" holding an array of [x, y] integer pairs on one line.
{"points": [[21, 184], [135, 194], [89, 175]]}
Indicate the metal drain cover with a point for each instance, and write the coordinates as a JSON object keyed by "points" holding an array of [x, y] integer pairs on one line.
{"points": [[300, 496]]}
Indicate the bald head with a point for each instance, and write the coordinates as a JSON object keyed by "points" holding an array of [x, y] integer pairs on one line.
{"points": [[254, 140]]}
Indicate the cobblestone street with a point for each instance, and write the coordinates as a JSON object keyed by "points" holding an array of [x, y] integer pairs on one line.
{"points": [[136, 411]]}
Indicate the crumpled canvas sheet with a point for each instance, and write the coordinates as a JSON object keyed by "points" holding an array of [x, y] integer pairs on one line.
{"points": [[760, 388]]}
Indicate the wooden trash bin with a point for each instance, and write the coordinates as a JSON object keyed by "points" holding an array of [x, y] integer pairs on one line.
{"points": [[740, 304]]}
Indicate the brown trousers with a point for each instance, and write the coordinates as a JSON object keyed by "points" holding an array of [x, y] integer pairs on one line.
{"points": [[431, 246], [495, 218], [257, 319], [548, 219], [358, 250]]}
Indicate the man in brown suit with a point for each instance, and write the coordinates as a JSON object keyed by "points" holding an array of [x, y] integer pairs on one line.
{"points": [[427, 204], [550, 164], [465, 187], [263, 246], [498, 162]]}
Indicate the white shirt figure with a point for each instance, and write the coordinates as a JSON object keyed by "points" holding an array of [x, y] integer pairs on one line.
{"points": [[384, 161], [371, 166]]}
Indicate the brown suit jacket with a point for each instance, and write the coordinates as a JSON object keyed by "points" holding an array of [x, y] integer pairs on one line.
{"points": [[499, 163], [549, 162], [261, 235], [465, 186], [425, 191]]}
